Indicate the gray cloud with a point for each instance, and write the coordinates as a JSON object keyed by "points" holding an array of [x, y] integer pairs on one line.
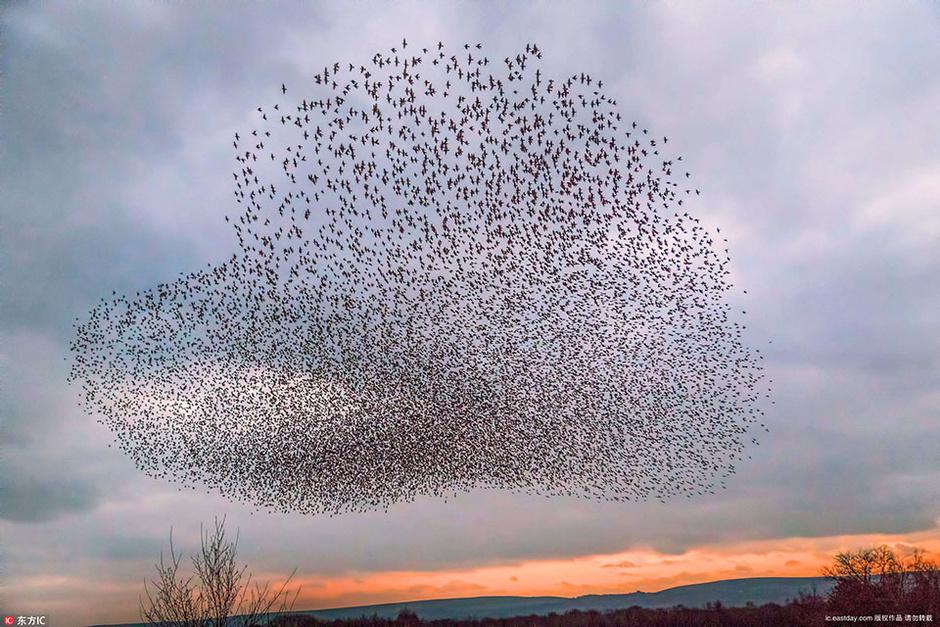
{"points": [[809, 130], [24, 498]]}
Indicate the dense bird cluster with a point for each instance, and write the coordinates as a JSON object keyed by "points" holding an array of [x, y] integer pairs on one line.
{"points": [[452, 273]]}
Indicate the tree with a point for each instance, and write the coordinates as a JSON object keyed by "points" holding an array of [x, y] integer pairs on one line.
{"points": [[219, 592], [924, 586], [876, 580]]}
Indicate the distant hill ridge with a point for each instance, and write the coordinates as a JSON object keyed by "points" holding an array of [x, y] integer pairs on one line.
{"points": [[730, 592]]}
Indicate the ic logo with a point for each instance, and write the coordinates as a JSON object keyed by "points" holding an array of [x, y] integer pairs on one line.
{"points": [[8, 620]]}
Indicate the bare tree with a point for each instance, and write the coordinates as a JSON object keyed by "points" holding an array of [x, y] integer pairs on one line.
{"points": [[875, 579], [219, 593], [864, 566]]}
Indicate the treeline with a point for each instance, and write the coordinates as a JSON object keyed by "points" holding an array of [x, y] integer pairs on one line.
{"points": [[806, 611], [877, 581]]}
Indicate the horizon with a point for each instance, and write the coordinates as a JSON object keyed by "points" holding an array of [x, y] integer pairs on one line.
{"points": [[471, 598]]}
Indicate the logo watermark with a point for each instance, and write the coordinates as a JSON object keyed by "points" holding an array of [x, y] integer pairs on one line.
{"points": [[880, 618]]}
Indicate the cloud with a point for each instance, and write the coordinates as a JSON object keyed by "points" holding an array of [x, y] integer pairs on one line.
{"points": [[623, 564], [809, 133], [31, 499]]}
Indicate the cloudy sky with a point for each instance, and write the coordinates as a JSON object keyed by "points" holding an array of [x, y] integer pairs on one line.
{"points": [[812, 129]]}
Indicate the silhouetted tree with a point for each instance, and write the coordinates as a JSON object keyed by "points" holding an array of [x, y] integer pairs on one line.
{"points": [[219, 593], [407, 618], [875, 580]]}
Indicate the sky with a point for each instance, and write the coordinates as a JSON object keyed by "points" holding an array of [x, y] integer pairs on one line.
{"points": [[811, 129]]}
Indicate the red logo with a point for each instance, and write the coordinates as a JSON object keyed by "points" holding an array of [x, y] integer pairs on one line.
{"points": [[7, 620]]}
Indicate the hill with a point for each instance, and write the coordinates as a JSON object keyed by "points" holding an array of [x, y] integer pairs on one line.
{"points": [[730, 592]]}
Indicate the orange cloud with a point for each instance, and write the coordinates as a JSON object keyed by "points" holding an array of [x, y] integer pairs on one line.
{"points": [[638, 569], [623, 564]]}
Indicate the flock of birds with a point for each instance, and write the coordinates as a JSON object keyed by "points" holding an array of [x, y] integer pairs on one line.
{"points": [[452, 273]]}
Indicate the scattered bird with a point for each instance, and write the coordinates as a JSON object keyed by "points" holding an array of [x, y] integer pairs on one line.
{"points": [[451, 274]]}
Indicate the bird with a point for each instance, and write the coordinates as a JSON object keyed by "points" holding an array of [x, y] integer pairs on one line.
{"points": [[450, 275]]}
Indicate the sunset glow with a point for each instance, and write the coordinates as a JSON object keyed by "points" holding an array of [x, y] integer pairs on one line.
{"points": [[624, 572], [615, 573]]}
